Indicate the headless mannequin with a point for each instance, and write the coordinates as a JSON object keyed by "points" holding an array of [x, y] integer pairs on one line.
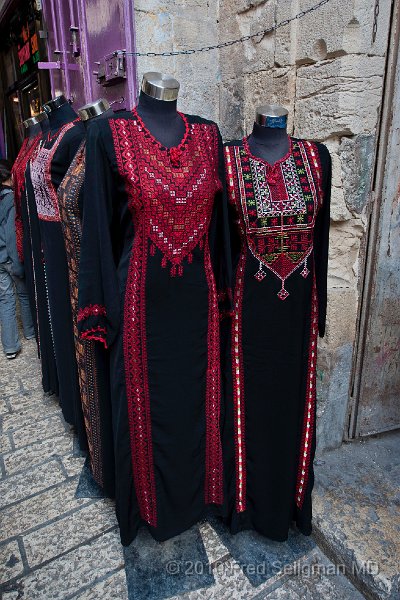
{"points": [[267, 140], [160, 116], [34, 125], [99, 109], [59, 115]]}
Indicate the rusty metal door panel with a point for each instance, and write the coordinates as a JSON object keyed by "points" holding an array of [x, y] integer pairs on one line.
{"points": [[378, 394]]}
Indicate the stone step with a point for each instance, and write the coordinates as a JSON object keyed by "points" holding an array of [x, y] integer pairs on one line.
{"points": [[356, 512]]}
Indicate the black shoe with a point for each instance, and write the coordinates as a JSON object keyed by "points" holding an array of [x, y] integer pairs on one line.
{"points": [[11, 355]]}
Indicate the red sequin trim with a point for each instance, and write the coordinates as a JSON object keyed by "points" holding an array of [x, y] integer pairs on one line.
{"points": [[238, 386], [137, 387], [214, 469], [309, 408], [92, 310]]}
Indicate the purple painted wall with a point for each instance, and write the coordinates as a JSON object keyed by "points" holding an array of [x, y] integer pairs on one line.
{"points": [[83, 39]]}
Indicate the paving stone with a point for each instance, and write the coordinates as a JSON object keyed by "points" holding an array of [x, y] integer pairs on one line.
{"points": [[38, 510], [73, 464], [112, 588], [24, 416], [39, 430], [356, 511], [10, 561], [67, 575], [18, 487], [28, 456], [5, 444], [216, 551], [52, 540]]}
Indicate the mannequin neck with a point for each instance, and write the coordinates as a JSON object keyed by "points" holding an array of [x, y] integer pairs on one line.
{"points": [[268, 143], [60, 116], [161, 119], [105, 115], [149, 107]]}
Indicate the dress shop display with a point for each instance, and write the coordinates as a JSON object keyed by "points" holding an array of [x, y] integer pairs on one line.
{"points": [[179, 285]]}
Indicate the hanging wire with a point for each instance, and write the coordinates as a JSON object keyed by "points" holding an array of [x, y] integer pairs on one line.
{"points": [[244, 38]]}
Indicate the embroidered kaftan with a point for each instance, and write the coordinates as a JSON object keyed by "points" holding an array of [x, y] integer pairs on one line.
{"points": [[47, 169], [280, 264], [92, 359], [154, 246]]}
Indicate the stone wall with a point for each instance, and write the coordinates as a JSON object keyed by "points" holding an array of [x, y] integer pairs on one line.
{"points": [[327, 72]]}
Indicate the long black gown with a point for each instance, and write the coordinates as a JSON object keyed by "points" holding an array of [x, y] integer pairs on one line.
{"points": [[154, 255], [91, 358], [47, 169], [280, 265]]}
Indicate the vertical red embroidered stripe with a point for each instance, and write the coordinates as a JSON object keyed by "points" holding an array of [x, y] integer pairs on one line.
{"points": [[137, 388], [309, 407], [238, 386], [214, 469]]}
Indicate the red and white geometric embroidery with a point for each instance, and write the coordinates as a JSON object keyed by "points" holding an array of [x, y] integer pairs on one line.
{"points": [[309, 408], [45, 193], [277, 206], [171, 196]]}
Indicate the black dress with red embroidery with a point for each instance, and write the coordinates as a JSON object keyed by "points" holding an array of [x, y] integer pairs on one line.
{"points": [[155, 255], [280, 248], [48, 166]]}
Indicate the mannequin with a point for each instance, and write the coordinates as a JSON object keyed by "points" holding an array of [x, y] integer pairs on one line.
{"points": [[269, 139], [33, 125], [28, 230], [59, 111], [154, 254], [279, 188], [47, 169], [92, 110], [157, 108], [92, 361]]}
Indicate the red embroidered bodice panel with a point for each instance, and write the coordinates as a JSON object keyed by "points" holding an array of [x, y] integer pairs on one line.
{"points": [[18, 171], [174, 195], [277, 206], [171, 194]]}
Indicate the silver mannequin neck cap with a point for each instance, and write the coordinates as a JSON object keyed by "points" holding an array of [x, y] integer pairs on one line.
{"points": [[57, 102], [93, 109], [270, 111], [34, 120], [160, 86]]}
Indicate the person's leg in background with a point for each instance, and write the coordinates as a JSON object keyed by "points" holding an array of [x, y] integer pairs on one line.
{"points": [[8, 318], [26, 315]]}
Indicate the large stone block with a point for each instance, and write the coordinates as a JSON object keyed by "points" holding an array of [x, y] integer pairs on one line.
{"points": [[356, 159], [274, 86], [337, 28], [338, 97], [344, 245]]}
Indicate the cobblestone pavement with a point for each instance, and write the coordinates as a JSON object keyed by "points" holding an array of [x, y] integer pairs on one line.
{"points": [[55, 545]]}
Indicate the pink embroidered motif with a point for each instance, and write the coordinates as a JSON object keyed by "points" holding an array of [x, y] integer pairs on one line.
{"points": [[45, 193]]}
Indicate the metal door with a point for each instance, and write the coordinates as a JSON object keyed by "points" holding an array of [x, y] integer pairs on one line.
{"points": [[376, 398], [85, 39]]}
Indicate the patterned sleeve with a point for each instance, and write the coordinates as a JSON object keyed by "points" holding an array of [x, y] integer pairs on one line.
{"points": [[98, 296], [321, 238]]}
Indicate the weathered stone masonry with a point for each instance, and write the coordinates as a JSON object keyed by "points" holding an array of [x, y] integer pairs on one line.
{"points": [[327, 72]]}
